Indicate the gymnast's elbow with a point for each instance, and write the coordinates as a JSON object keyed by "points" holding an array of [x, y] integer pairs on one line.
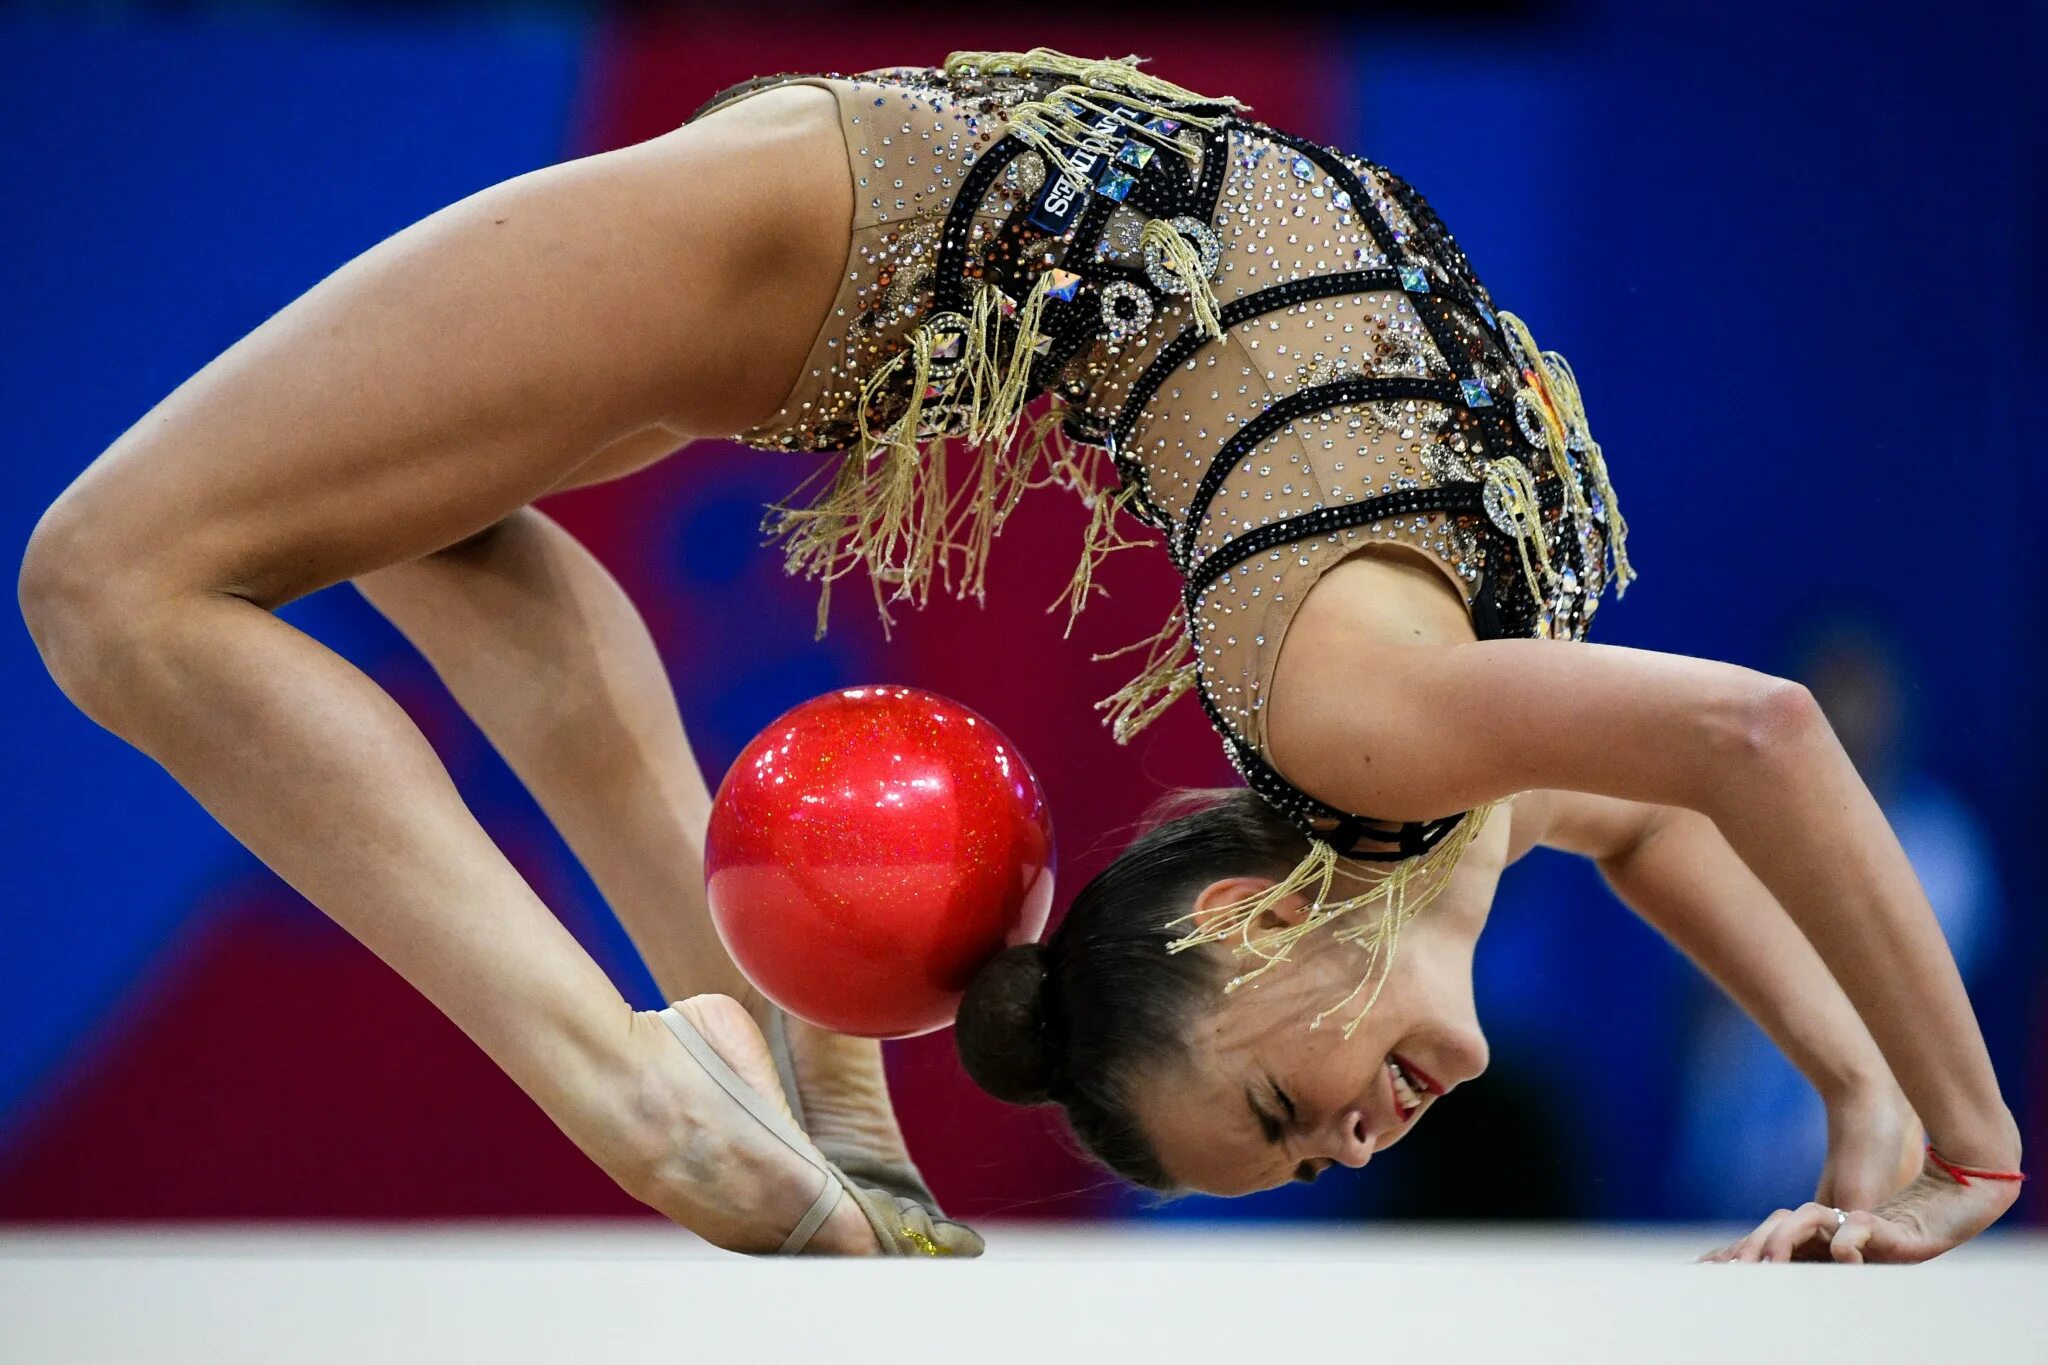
{"points": [[1763, 729]]}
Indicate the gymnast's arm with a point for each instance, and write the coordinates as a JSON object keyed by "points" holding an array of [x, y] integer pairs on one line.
{"points": [[1673, 867], [1414, 731]]}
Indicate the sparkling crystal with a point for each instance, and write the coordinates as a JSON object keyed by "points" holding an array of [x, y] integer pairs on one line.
{"points": [[1475, 392], [1414, 279], [1115, 184], [1303, 168], [1497, 499], [1065, 284], [1135, 153], [1529, 417]]}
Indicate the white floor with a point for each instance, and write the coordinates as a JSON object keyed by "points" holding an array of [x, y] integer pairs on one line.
{"points": [[575, 1293]]}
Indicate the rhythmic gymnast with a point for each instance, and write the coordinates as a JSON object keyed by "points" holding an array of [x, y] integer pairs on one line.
{"points": [[1393, 524]]}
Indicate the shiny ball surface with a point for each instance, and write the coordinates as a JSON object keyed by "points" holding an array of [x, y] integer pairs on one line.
{"points": [[869, 850]]}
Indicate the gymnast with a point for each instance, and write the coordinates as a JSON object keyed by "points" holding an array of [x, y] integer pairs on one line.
{"points": [[1264, 354]]}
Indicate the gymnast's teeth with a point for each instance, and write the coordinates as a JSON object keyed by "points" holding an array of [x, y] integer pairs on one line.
{"points": [[1406, 1092]]}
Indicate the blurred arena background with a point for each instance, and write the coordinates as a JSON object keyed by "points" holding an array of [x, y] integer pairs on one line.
{"points": [[1793, 248]]}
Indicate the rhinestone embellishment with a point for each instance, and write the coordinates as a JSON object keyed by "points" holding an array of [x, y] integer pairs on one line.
{"points": [[1208, 251], [1115, 184], [1135, 153], [1126, 310], [1026, 173], [1529, 417], [1122, 240], [1343, 410]]}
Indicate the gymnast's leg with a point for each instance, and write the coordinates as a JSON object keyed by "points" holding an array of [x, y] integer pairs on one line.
{"points": [[420, 394], [545, 651]]}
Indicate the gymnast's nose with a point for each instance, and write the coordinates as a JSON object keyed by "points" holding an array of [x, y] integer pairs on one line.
{"points": [[1352, 1142]]}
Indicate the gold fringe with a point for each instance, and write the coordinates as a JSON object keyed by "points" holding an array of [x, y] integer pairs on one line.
{"points": [[1079, 469], [1403, 890], [1566, 388], [1048, 125], [1187, 264], [997, 411], [887, 507], [995, 399], [1515, 487], [1101, 539], [1167, 674], [1565, 416]]}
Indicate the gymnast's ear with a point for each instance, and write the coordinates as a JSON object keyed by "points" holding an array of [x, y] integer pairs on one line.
{"points": [[1214, 902]]}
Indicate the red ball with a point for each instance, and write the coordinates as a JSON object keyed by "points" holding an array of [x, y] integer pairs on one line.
{"points": [[869, 851]]}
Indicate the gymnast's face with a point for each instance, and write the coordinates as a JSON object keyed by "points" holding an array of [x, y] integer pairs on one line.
{"points": [[1260, 1099]]}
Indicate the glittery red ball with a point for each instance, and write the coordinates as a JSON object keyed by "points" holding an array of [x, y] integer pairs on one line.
{"points": [[869, 851]]}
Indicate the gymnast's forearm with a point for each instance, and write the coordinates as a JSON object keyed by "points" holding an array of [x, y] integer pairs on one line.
{"points": [[1812, 832], [1681, 875], [320, 774], [543, 649]]}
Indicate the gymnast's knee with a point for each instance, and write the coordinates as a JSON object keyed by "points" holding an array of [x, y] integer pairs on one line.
{"points": [[91, 605]]}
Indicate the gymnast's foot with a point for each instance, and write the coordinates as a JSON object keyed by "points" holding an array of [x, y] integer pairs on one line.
{"points": [[844, 1094], [725, 1175]]}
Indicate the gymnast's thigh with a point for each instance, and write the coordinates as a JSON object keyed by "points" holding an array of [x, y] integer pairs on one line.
{"points": [[473, 361]]}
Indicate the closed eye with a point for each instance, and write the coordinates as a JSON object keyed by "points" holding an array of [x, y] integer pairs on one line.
{"points": [[1269, 1127]]}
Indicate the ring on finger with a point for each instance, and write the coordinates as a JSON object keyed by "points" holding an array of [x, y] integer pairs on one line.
{"points": [[1841, 1219]]}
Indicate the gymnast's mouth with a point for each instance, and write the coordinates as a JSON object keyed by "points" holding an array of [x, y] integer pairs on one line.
{"points": [[1409, 1085]]}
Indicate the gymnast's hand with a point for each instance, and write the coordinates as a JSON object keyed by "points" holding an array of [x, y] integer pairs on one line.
{"points": [[1874, 1147], [1932, 1215]]}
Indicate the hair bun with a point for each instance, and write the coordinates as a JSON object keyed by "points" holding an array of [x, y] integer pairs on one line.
{"points": [[999, 1029]]}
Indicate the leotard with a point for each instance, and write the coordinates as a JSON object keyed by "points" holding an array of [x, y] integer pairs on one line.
{"points": [[1269, 351]]}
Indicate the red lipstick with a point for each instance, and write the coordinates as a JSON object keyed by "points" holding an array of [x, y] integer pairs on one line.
{"points": [[1416, 1073]]}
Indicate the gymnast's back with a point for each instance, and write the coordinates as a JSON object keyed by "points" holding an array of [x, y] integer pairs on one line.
{"points": [[1268, 351]]}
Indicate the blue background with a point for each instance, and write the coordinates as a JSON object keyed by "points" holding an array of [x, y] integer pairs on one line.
{"points": [[1793, 250]]}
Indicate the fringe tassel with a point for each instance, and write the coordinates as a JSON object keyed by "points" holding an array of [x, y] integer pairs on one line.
{"points": [[1565, 419], [1566, 387], [1079, 469], [1401, 892], [1511, 486], [888, 509], [1168, 673], [998, 409], [1101, 540], [1054, 129], [1617, 525], [995, 403], [1187, 264]]}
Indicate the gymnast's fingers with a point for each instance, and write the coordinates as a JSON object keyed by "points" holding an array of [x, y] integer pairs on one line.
{"points": [[1798, 1235], [1847, 1245], [1751, 1248]]}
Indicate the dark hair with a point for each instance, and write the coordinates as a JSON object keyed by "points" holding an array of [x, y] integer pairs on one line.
{"points": [[1077, 1019]]}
